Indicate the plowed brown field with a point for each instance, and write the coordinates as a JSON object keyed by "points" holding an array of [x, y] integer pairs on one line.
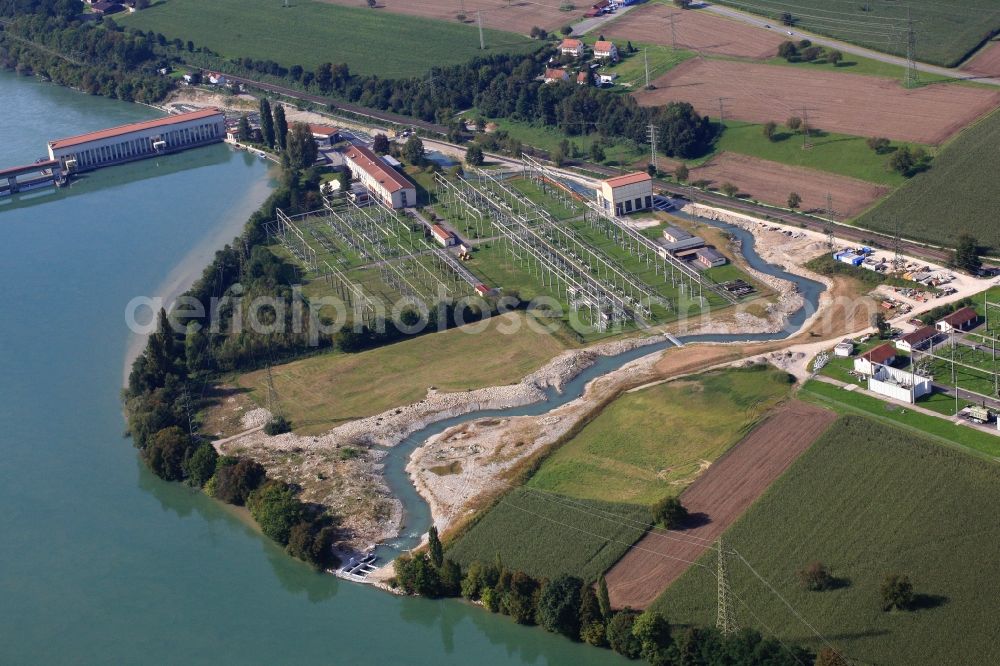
{"points": [[771, 182], [986, 62], [832, 101], [718, 498], [695, 31], [516, 16]]}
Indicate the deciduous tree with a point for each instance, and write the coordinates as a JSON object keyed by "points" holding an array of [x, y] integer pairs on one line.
{"points": [[794, 200], [280, 127], [559, 606]]}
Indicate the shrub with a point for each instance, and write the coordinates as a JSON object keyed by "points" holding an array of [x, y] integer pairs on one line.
{"points": [[897, 592], [669, 512], [815, 577], [620, 636], [276, 509], [235, 480], [277, 426], [200, 466]]}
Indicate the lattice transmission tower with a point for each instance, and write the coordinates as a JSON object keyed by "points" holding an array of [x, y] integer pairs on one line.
{"points": [[725, 621]]}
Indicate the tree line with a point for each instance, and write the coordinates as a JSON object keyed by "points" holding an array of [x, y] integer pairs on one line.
{"points": [[83, 55], [499, 86], [571, 607]]}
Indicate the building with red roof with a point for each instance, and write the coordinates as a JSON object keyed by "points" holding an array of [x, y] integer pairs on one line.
{"points": [[573, 47], [868, 363], [384, 183], [136, 141], [960, 320], [626, 194], [605, 50]]}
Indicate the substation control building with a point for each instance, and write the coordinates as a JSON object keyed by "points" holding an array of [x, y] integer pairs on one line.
{"points": [[626, 194], [141, 140], [384, 183]]}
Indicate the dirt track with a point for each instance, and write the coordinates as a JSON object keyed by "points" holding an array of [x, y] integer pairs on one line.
{"points": [[986, 62], [771, 182], [695, 31], [832, 101], [516, 16], [718, 498]]}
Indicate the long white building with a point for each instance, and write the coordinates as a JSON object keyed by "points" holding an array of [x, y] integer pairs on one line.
{"points": [[137, 141], [383, 182]]}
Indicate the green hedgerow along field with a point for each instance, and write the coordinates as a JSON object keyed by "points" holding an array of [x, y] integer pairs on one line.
{"points": [[957, 195], [947, 32], [868, 500], [309, 33], [590, 500]]}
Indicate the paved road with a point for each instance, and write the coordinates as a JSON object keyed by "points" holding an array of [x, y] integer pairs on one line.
{"points": [[588, 24], [845, 47]]}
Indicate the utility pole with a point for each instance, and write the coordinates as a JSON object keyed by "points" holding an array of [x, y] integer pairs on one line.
{"points": [[829, 204], [725, 620], [652, 144], [479, 20], [645, 58], [673, 32], [897, 245], [912, 77]]}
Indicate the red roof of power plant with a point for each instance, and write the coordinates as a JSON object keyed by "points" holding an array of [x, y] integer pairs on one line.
{"points": [[628, 179], [377, 169], [134, 127], [922, 334], [440, 232]]}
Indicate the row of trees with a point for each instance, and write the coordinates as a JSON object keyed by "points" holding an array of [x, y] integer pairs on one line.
{"points": [[567, 605]]}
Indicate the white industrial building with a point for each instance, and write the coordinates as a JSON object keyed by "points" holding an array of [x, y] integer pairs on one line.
{"points": [[868, 363], [626, 194], [137, 141], [676, 240], [383, 182], [898, 384]]}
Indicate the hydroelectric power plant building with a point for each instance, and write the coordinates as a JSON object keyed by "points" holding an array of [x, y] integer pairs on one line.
{"points": [[138, 141]]}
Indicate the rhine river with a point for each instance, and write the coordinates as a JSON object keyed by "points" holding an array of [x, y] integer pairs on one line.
{"points": [[100, 562]]}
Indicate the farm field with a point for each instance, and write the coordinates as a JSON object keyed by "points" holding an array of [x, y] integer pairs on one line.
{"points": [[497, 14], [771, 182], [834, 102], [946, 32], [837, 153], [545, 534], [716, 500], [549, 138], [653, 443], [310, 33], [941, 431], [316, 393], [695, 30], [986, 62], [957, 195], [867, 500]]}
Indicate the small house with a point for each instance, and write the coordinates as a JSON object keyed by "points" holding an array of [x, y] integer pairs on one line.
{"points": [[916, 339], [583, 78], [573, 47], [678, 239], [607, 79], [555, 75], [444, 237], [604, 50], [709, 258], [324, 135], [960, 320], [844, 349], [867, 363]]}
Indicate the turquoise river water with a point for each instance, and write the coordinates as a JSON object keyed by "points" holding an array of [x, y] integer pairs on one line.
{"points": [[99, 561]]}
